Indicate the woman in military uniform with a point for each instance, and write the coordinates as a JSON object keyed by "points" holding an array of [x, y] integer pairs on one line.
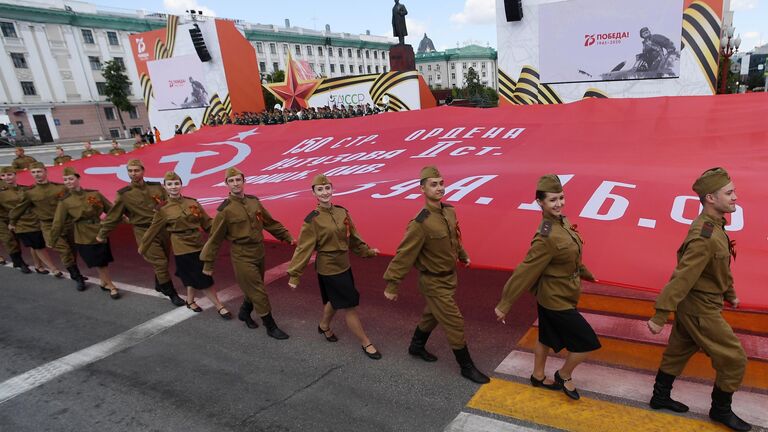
{"points": [[329, 230], [184, 218], [552, 271], [83, 208]]}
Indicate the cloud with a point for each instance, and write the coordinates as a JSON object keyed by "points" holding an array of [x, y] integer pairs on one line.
{"points": [[476, 12], [416, 28], [744, 5], [751, 35], [180, 6]]}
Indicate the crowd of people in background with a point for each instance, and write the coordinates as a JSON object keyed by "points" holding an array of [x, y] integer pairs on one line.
{"points": [[277, 116]]}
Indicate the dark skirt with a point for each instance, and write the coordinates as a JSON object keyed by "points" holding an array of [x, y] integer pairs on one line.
{"points": [[339, 289], [189, 269], [95, 255], [566, 329], [32, 240]]}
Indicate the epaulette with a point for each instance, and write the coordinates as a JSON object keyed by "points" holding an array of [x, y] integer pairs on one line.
{"points": [[223, 205], [341, 208], [313, 214], [151, 183], [446, 204], [57, 184], [251, 196], [706, 229], [64, 196], [124, 190], [545, 228], [422, 215], [90, 190]]}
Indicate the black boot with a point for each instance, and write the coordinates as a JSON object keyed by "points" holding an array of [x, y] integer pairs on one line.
{"points": [[18, 262], [272, 329], [245, 314], [168, 289], [75, 275], [418, 346], [662, 391], [721, 411], [468, 369], [157, 285]]}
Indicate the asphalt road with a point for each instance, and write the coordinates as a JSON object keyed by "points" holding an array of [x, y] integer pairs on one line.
{"points": [[206, 374]]}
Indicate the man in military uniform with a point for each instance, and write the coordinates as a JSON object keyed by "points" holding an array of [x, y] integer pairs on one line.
{"points": [[22, 161], [116, 150], [89, 151], [699, 284], [432, 244], [138, 202], [9, 194], [138, 142], [61, 158], [42, 199], [241, 219]]}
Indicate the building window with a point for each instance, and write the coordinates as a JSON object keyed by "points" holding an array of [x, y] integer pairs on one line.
{"points": [[341, 68], [112, 38], [322, 69], [259, 48], [87, 36], [135, 130], [133, 112], [464, 65], [377, 68], [309, 50], [420, 69], [330, 52], [453, 66], [483, 65], [453, 76], [437, 67], [483, 74], [333, 67], [272, 48], [320, 51], [275, 67], [9, 30], [369, 68], [76, 122], [298, 49], [367, 54], [95, 62], [19, 62], [349, 52], [429, 67], [359, 55], [360, 69], [262, 66], [119, 61], [384, 68], [438, 77], [28, 87], [341, 53], [109, 113], [101, 88], [114, 133], [285, 49], [375, 54]]}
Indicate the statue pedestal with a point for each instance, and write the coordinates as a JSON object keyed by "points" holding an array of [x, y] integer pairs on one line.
{"points": [[402, 58]]}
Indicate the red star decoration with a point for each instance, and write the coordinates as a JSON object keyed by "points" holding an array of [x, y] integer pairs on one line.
{"points": [[294, 92]]}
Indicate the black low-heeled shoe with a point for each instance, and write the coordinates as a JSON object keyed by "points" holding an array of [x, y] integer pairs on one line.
{"points": [[227, 315], [196, 308], [573, 394], [540, 383], [43, 271], [58, 274], [376, 355], [331, 338]]}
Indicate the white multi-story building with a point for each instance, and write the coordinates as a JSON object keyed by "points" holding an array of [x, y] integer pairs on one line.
{"points": [[448, 69], [52, 52]]}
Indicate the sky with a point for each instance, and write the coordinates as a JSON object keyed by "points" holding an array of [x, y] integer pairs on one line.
{"points": [[446, 22]]}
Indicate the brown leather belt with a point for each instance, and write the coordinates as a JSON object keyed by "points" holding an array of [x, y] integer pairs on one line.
{"points": [[440, 274]]}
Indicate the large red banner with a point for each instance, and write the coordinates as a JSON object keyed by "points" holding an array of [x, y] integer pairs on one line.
{"points": [[627, 166]]}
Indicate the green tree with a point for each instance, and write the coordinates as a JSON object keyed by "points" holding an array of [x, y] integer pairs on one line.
{"points": [[473, 86], [269, 99], [117, 89]]}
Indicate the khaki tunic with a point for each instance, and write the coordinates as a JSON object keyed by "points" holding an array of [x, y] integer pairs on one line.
{"points": [[9, 197], [183, 218], [242, 221], [330, 232], [41, 200], [89, 153], [83, 208], [61, 160], [432, 244], [138, 202], [117, 151], [700, 282], [552, 270], [22, 163]]}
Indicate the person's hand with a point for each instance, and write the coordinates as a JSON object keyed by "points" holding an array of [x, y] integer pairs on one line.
{"points": [[292, 242], [654, 328], [467, 263], [11, 227], [500, 316], [735, 302], [390, 296], [100, 240], [375, 251], [208, 272], [293, 286]]}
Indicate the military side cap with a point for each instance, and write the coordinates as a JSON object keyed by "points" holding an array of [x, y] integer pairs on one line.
{"points": [[232, 172], [135, 162], [170, 175], [320, 179], [59, 148], [429, 172], [7, 170], [69, 171], [711, 181], [549, 183], [34, 165]]}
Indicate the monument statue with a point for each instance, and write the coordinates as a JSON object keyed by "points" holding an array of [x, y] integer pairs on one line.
{"points": [[398, 21]]}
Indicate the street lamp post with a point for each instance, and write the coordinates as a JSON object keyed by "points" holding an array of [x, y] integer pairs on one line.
{"points": [[728, 47]]}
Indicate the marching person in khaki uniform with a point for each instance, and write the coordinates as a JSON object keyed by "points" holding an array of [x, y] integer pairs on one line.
{"points": [[241, 219], [22, 161], [329, 230], [699, 284], [184, 219], [41, 200], [27, 228], [432, 244], [89, 151], [552, 271], [61, 158], [83, 208], [138, 142], [138, 202], [116, 150]]}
